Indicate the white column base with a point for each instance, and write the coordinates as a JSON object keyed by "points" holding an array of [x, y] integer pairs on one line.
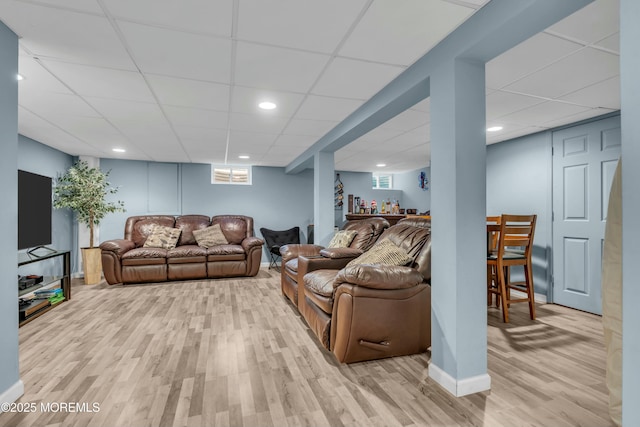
{"points": [[459, 388], [13, 393]]}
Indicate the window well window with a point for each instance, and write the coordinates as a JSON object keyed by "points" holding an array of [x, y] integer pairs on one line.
{"points": [[225, 174], [382, 181]]}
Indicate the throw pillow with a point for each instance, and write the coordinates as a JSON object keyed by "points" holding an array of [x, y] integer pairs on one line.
{"points": [[342, 239], [163, 237], [384, 252], [210, 236]]}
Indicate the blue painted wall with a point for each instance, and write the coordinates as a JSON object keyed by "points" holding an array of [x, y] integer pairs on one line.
{"points": [[412, 195], [360, 184], [519, 182], [43, 160], [9, 373], [275, 200]]}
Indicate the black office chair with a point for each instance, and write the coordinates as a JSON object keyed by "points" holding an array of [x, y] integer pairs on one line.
{"points": [[275, 239]]}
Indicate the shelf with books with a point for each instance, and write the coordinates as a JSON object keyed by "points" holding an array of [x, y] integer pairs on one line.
{"points": [[39, 298]]}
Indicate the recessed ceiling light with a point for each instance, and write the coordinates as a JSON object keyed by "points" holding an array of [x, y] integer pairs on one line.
{"points": [[494, 128], [381, 165], [267, 105], [119, 150], [243, 157], [19, 77]]}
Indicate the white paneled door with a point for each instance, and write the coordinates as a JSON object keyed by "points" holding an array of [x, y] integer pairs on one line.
{"points": [[584, 161]]}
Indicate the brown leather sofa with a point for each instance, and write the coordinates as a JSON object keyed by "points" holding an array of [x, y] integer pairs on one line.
{"points": [[127, 261], [368, 231], [366, 312]]}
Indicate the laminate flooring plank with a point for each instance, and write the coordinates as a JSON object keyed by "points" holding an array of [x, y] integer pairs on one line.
{"points": [[236, 352]]}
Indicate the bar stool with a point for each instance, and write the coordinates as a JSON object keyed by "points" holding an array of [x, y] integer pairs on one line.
{"points": [[514, 247]]}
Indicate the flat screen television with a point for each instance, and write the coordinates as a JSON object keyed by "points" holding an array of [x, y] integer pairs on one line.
{"points": [[34, 210]]}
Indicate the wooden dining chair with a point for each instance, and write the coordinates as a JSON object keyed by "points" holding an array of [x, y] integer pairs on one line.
{"points": [[493, 231], [514, 247]]}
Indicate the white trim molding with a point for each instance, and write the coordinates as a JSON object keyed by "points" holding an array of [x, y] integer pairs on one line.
{"points": [[459, 388], [13, 393]]}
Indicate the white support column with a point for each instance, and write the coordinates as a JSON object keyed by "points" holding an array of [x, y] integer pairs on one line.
{"points": [[629, 91], [458, 201], [323, 215]]}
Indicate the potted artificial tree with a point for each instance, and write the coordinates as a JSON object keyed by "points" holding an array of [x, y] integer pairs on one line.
{"points": [[84, 189]]}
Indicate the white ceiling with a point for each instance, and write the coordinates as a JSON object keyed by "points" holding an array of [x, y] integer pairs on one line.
{"points": [[180, 81]]}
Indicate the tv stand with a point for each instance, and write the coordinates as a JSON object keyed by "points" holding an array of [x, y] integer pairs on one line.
{"points": [[48, 282], [32, 251]]}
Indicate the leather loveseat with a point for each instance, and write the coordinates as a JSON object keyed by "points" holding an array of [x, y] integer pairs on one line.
{"points": [[367, 233], [128, 261], [372, 311]]}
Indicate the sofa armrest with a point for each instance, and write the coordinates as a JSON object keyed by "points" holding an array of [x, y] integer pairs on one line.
{"points": [[292, 251], [379, 276], [251, 242], [350, 253], [119, 246], [318, 262]]}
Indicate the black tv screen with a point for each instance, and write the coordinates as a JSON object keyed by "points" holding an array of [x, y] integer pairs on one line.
{"points": [[34, 210]]}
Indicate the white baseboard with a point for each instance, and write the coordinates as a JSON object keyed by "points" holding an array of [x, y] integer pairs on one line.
{"points": [[459, 388], [13, 393]]}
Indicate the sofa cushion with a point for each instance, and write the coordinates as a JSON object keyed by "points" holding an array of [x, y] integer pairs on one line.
{"points": [[226, 253], [342, 239], [319, 288], [162, 237], [210, 236], [187, 251], [145, 256], [292, 265], [384, 252], [140, 229], [189, 223], [234, 227]]}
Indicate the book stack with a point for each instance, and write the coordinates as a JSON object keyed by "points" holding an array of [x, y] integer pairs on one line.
{"points": [[53, 295]]}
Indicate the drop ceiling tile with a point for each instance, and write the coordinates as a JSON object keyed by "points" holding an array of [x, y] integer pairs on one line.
{"points": [[65, 35], [209, 17], [326, 108], [189, 93], [350, 78], [582, 69], [101, 82], [181, 116], [257, 123], [89, 6], [285, 154], [591, 23], [246, 100], [191, 56], [204, 136], [611, 43], [95, 131], [114, 109], [275, 68], [251, 139], [416, 25], [54, 103], [316, 128], [304, 141], [501, 103], [542, 113], [315, 26], [602, 94], [523, 59], [37, 79], [424, 105], [583, 115], [507, 134]]}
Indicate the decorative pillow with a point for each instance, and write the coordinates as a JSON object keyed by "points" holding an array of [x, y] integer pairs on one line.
{"points": [[163, 237], [384, 252], [210, 236], [342, 239]]}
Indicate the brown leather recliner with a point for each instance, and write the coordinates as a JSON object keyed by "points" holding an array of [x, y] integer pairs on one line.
{"points": [[128, 261], [368, 232], [366, 312]]}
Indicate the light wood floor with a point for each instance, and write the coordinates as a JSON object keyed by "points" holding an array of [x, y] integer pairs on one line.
{"points": [[233, 352]]}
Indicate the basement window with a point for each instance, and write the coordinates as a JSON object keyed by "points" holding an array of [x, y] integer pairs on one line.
{"points": [[225, 174], [382, 182]]}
